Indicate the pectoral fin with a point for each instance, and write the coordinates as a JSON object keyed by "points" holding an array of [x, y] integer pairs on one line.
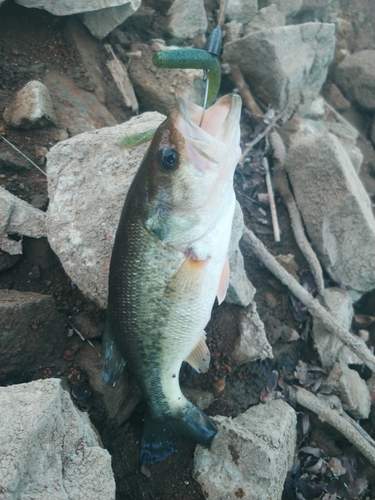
{"points": [[224, 282], [112, 361], [200, 356], [188, 278]]}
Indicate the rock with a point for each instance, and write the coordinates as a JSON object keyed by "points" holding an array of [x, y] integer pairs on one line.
{"points": [[12, 162], [81, 229], [317, 109], [157, 87], [102, 22], [78, 110], [252, 343], [287, 7], [351, 389], [334, 96], [200, 398], [48, 449], [111, 405], [7, 261], [18, 218], [269, 17], [232, 31], [250, 455], [355, 76], [315, 5], [68, 8], [335, 208], [32, 107], [330, 349], [186, 20], [373, 131], [32, 332], [241, 10], [286, 64]]}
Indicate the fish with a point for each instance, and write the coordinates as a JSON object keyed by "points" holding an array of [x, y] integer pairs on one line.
{"points": [[169, 263]]}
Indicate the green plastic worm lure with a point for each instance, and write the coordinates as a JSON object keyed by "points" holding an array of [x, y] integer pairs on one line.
{"points": [[188, 59]]}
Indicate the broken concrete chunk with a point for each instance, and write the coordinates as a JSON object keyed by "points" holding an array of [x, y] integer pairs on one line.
{"points": [[286, 64], [31, 108], [241, 10], [250, 455], [157, 87], [102, 22], [48, 449], [252, 343], [81, 224], [355, 76], [335, 208], [32, 332], [186, 20], [19, 218], [351, 389]]}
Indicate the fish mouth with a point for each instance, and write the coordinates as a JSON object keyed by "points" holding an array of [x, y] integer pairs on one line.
{"points": [[219, 129]]}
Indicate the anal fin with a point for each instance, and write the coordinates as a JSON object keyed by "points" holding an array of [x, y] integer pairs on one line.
{"points": [[200, 356], [112, 361]]}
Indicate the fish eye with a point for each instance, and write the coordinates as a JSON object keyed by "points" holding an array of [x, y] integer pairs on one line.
{"points": [[167, 158]]}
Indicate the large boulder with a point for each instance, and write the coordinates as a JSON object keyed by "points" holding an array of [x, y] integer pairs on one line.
{"points": [[187, 19], [287, 64], [335, 208], [48, 449], [250, 455], [355, 76]]}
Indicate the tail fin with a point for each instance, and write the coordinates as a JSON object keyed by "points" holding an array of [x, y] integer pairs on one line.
{"points": [[161, 437]]}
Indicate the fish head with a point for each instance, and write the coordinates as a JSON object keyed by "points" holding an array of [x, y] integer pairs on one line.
{"points": [[190, 169]]}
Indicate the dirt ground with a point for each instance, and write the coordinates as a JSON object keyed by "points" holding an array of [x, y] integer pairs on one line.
{"points": [[33, 42]]}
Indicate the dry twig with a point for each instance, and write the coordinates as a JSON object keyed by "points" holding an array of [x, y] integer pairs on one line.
{"points": [[343, 423], [244, 91], [122, 80], [354, 343], [275, 222], [281, 185]]}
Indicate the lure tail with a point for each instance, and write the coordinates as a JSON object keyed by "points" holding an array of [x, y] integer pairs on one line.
{"points": [[161, 437]]}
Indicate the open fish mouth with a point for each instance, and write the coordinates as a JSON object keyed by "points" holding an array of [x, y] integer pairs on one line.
{"points": [[219, 127]]}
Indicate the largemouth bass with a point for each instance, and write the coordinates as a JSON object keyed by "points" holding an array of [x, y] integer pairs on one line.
{"points": [[169, 262]]}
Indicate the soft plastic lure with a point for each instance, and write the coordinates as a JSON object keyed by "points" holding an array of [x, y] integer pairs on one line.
{"points": [[183, 59]]}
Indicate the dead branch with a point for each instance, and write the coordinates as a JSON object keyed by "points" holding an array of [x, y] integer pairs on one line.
{"points": [[343, 423], [275, 222], [121, 78], [221, 13], [244, 91], [315, 308], [281, 185]]}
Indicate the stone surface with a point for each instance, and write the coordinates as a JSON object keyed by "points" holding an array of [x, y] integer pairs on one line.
{"points": [[330, 349], [67, 8], [373, 131], [18, 218], [351, 389], [286, 7], [286, 64], [335, 208], [269, 17], [187, 19], [250, 455], [31, 108], [81, 229], [252, 343], [334, 96], [102, 22], [77, 110], [355, 76], [48, 449], [157, 87], [241, 10], [32, 332]]}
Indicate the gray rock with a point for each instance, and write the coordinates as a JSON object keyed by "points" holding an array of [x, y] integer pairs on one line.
{"points": [[18, 217], [186, 20], [200, 398], [48, 449], [241, 10], [67, 8], [32, 332], [252, 343], [77, 110], [81, 229], [334, 96], [250, 455], [269, 17], [287, 7], [32, 107], [157, 87], [232, 31], [373, 131], [330, 349], [355, 76], [286, 64], [102, 22], [351, 389], [335, 208]]}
